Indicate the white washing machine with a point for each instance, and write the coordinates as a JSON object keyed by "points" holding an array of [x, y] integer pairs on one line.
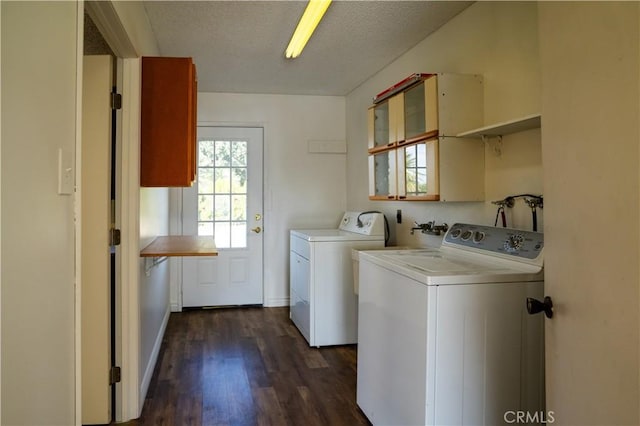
{"points": [[322, 303], [444, 337]]}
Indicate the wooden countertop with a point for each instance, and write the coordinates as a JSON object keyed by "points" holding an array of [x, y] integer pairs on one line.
{"points": [[180, 245]]}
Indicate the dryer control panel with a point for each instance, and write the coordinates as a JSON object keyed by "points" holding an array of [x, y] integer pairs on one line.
{"points": [[364, 223], [490, 239]]}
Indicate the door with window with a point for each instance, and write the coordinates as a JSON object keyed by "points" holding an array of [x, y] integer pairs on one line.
{"points": [[225, 202]]}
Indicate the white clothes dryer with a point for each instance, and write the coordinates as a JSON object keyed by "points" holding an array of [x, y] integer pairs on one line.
{"points": [[322, 302]]}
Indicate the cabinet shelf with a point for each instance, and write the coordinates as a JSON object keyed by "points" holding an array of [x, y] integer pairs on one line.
{"points": [[504, 128]]}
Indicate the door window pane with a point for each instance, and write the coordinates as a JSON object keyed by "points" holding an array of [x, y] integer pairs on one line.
{"points": [[239, 203], [222, 192], [205, 180], [205, 153], [223, 154], [205, 229], [239, 180], [223, 181], [239, 154], [223, 207], [205, 207]]}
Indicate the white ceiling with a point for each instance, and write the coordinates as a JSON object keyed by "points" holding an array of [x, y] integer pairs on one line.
{"points": [[238, 46]]}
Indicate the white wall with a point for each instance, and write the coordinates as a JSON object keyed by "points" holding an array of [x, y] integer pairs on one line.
{"points": [[499, 41], [590, 138], [154, 285], [301, 189], [38, 117]]}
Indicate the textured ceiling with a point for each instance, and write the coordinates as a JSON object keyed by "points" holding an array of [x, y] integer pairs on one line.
{"points": [[238, 46], [94, 43]]}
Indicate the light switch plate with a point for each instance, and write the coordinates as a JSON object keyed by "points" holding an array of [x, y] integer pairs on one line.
{"points": [[65, 172]]}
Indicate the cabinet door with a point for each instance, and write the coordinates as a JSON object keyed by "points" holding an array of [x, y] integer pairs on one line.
{"points": [[420, 112], [386, 123], [418, 173], [167, 151], [382, 175], [378, 121]]}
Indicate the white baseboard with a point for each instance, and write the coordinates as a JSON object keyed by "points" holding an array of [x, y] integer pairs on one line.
{"points": [[175, 307], [148, 372], [276, 302]]}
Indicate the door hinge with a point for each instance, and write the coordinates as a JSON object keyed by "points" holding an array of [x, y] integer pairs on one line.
{"points": [[114, 237], [116, 101], [114, 375]]}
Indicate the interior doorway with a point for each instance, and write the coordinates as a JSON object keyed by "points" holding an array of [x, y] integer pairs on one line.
{"points": [[99, 220]]}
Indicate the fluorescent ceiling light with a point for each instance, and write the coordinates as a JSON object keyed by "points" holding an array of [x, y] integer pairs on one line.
{"points": [[308, 23]]}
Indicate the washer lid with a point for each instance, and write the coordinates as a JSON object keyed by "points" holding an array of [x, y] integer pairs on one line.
{"points": [[446, 267], [333, 235]]}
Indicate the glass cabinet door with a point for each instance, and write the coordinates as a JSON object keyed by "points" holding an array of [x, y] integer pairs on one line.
{"points": [[382, 175], [379, 125], [421, 110], [386, 123], [418, 171]]}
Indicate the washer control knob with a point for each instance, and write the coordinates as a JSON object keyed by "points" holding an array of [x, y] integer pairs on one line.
{"points": [[466, 235], [514, 242], [478, 236], [455, 233]]}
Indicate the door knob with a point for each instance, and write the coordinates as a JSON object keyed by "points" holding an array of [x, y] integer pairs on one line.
{"points": [[257, 229], [534, 306]]}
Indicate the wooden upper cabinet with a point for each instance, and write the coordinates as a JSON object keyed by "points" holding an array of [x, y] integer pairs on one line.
{"points": [[168, 122], [414, 151]]}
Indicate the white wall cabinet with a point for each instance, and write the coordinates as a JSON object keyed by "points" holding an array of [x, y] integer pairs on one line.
{"points": [[414, 153]]}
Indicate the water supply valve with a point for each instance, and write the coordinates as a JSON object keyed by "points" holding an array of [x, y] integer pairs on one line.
{"points": [[430, 228]]}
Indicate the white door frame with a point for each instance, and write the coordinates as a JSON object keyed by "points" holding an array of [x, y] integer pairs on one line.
{"points": [[128, 401], [175, 216]]}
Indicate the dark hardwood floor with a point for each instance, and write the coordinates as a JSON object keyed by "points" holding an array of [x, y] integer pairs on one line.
{"points": [[248, 366]]}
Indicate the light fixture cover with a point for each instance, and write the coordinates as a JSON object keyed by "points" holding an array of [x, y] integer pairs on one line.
{"points": [[308, 22]]}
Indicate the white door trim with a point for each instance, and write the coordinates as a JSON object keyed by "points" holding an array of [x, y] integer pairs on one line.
{"points": [[104, 15], [128, 400], [128, 396], [77, 208]]}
